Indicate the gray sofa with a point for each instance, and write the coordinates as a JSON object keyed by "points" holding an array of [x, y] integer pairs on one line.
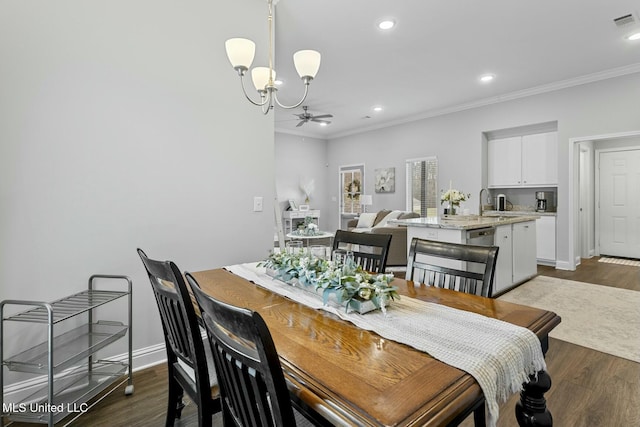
{"points": [[398, 247]]}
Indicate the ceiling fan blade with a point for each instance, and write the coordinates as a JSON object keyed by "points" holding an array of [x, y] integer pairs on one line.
{"points": [[301, 123], [323, 116]]}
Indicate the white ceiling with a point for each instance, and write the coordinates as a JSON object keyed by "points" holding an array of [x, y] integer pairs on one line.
{"points": [[431, 61]]}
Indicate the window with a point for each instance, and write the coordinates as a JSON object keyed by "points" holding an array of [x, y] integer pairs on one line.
{"points": [[352, 185], [422, 185]]}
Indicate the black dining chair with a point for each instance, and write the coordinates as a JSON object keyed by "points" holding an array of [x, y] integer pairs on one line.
{"points": [[456, 266], [459, 267], [188, 368], [370, 251], [252, 385]]}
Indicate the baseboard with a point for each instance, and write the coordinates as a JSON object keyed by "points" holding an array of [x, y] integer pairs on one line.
{"points": [[564, 265], [141, 359]]}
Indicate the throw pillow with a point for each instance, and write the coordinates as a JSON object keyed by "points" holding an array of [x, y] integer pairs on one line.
{"points": [[408, 215], [381, 214], [385, 220], [366, 220]]}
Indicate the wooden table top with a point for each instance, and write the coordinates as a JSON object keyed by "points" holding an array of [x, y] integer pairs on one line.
{"points": [[355, 377]]}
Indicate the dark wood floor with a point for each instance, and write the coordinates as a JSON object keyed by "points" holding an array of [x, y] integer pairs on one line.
{"points": [[590, 388], [592, 271]]}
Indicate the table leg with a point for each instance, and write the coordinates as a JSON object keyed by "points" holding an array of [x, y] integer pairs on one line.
{"points": [[532, 410]]}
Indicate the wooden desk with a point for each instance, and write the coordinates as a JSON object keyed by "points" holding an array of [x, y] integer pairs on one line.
{"points": [[354, 377]]}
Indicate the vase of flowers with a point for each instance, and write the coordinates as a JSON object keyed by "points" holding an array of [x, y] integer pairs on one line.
{"points": [[454, 198], [308, 228]]}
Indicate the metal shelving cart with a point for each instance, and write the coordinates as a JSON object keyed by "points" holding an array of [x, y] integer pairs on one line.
{"points": [[67, 359]]}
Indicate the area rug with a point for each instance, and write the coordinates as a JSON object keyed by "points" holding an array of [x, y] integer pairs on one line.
{"points": [[622, 261], [599, 317]]}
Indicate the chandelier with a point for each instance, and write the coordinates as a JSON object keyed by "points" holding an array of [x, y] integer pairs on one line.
{"points": [[241, 52]]}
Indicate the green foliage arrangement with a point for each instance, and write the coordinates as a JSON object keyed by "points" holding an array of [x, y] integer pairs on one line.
{"points": [[308, 228], [349, 283]]}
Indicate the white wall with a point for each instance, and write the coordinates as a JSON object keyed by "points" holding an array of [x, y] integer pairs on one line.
{"points": [[608, 106], [301, 159], [122, 125]]}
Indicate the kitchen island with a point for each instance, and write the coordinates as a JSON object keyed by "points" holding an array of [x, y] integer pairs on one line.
{"points": [[514, 235]]}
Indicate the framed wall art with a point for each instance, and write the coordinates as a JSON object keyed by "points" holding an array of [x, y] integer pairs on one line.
{"points": [[385, 180]]}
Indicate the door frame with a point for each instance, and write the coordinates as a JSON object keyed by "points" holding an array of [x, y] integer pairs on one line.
{"points": [[585, 202], [597, 188], [574, 189], [342, 168]]}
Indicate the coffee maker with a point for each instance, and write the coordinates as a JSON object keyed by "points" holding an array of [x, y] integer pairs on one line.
{"points": [[543, 200]]}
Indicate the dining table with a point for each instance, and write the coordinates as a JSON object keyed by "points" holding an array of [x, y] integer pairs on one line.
{"points": [[340, 374]]}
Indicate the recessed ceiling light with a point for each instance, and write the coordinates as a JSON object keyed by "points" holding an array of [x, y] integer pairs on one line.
{"points": [[377, 108], [486, 78], [323, 123], [386, 24], [634, 36], [278, 82]]}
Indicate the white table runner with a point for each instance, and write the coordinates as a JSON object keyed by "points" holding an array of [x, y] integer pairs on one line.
{"points": [[499, 355]]}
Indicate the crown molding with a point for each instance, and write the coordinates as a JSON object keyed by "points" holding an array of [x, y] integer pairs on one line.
{"points": [[300, 133], [537, 90]]}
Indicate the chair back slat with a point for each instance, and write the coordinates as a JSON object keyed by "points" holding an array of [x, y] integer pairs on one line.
{"points": [[460, 267], [370, 251], [252, 385]]}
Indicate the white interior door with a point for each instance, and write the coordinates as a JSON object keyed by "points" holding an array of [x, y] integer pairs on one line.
{"points": [[619, 181]]}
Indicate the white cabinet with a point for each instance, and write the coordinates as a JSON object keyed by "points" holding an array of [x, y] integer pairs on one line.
{"points": [[524, 251], [540, 159], [516, 256], [546, 240], [523, 161], [503, 278], [291, 219], [505, 162]]}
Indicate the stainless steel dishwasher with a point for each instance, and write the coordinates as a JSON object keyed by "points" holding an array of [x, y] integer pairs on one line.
{"points": [[481, 236]]}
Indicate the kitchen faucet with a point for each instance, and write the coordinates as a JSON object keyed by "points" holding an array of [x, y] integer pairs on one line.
{"points": [[480, 198]]}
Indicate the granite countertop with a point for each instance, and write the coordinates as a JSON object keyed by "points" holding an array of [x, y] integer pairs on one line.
{"points": [[518, 213], [464, 222]]}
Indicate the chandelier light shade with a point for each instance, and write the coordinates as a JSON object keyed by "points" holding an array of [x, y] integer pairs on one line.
{"points": [[241, 53], [307, 63], [260, 77]]}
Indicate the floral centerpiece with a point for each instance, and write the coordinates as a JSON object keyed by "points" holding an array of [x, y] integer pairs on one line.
{"points": [[348, 283], [454, 197], [307, 228]]}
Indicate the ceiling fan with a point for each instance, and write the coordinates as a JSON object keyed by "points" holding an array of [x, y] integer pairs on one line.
{"points": [[308, 117]]}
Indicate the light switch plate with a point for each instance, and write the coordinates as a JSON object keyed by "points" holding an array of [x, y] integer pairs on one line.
{"points": [[257, 204]]}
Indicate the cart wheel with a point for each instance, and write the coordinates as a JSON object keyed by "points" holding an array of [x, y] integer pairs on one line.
{"points": [[128, 390]]}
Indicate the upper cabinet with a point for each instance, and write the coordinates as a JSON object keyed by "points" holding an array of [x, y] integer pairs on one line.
{"points": [[523, 161], [505, 162], [540, 159]]}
